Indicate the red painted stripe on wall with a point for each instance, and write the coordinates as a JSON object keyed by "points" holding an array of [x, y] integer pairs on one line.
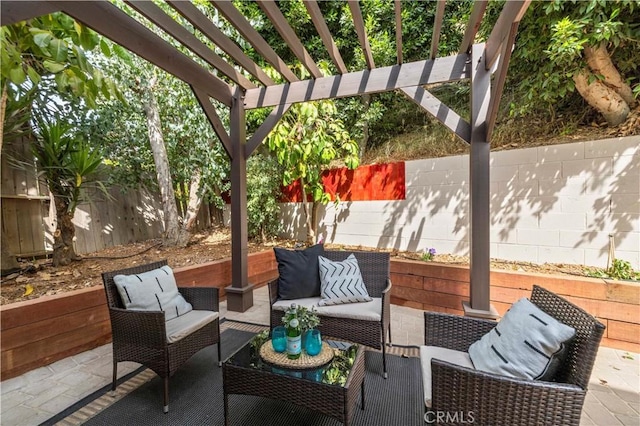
{"points": [[366, 183]]}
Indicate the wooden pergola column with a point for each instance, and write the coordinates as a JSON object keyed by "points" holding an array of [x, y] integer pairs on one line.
{"points": [[479, 190], [240, 292]]}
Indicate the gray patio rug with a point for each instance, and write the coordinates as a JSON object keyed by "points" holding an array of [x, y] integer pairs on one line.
{"points": [[196, 395]]}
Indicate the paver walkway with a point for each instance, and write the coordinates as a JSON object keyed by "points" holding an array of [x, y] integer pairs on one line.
{"points": [[613, 397]]}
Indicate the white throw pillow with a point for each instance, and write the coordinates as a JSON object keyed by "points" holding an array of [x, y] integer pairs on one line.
{"points": [[152, 291], [523, 344], [341, 282]]}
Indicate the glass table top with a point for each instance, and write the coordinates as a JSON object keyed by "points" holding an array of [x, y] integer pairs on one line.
{"points": [[334, 373]]}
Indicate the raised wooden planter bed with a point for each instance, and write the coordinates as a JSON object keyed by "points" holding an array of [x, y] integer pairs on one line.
{"points": [[41, 331]]}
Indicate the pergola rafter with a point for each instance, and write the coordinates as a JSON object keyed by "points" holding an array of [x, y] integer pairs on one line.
{"points": [[475, 62]]}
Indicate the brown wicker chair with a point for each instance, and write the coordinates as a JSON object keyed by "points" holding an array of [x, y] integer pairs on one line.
{"points": [[374, 267], [141, 336], [498, 400]]}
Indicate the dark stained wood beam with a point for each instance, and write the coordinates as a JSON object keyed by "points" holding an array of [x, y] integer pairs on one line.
{"points": [[206, 27], [479, 190], [511, 13], [191, 42], [440, 70], [437, 26], [398, 12], [240, 293], [358, 22], [235, 18], [287, 33], [12, 12], [325, 34], [500, 78], [266, 127], [214, 119], [116, 25], [439, 110], [477, 12]]}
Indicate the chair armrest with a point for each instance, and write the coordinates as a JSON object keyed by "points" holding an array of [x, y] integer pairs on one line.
{"points": [[454, 331], [202, 298], [386, 304], [138, 328], [493, 400], [273, 291]]}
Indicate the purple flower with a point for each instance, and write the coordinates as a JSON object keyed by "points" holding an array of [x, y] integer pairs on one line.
{"points": [[432, 251]]}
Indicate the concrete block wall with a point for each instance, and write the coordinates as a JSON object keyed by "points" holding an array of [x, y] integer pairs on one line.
{"points": [[555, 204]]}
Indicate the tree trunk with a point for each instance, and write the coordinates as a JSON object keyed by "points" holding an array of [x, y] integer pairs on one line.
{"points": [[600, 96], [611, 96], [600, 63], [195, 200], [174, 234], [311, 232], [63, 251], [3, 111]]}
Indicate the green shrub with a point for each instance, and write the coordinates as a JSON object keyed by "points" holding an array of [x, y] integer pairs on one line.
{"points": [[264, 179]]}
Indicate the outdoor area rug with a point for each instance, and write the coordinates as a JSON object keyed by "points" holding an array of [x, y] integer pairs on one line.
{"points": [[195, 393]]}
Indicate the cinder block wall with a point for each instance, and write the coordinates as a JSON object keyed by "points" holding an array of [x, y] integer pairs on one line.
{"points": [[554, 204]]}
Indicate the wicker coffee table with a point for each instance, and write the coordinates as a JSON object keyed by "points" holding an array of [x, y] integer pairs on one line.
{"points": [[331, 389]]}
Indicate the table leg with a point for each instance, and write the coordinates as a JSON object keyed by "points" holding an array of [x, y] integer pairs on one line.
{"points": [[226, 409], [362, 394]]}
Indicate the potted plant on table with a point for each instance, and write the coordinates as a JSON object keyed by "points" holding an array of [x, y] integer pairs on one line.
{"points": [[308, 322]]}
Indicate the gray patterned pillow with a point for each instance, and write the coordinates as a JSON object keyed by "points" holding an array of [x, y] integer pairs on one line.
{"points": [[154, 290], [524, 344], [341, 282]]}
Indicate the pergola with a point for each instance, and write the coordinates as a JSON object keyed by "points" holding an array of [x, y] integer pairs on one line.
{"points": [[477, 62]]}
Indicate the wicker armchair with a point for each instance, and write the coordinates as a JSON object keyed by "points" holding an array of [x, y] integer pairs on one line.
{"points": [[141, 336], [497, 400], [374, 267]]}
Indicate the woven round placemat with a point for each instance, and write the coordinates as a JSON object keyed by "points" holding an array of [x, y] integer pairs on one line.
{"points": [[305, 361]]}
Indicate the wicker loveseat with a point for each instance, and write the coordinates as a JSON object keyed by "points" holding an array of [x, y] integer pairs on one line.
{"points": [[492, 399], [342, 321], [147, 338]]}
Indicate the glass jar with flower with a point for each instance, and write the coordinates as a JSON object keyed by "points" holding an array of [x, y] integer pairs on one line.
{"points": [[308, 320]]}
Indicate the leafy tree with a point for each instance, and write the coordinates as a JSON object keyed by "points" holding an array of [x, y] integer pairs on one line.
{"points": [[69, 166], [263, 194], [308, 139], [588, 46]]}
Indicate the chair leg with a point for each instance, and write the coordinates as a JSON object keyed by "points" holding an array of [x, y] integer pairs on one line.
{"points": [[114, 382], [390, 341], [384, 354], [165, 407], [219, 355]]}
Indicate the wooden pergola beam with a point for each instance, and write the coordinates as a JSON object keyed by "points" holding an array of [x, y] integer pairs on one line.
{"points": [[439, 70], [170, 26], [290, 37], [439, 110], [15, 11], [477, 12], [116, 25], [240, 23], [397, 5], [511, 13], [500, 78], [325, 34], [437, 26], [358, 23], [206, 27], [214, 119]]}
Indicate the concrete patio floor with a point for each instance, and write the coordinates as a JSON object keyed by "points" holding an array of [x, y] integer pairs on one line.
{"points": [[34, 397]]}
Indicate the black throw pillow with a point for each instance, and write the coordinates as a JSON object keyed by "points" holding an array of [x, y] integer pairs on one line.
{"points": [[298, 270]]}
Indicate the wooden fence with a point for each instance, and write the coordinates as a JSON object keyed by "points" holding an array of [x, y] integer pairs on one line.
{"points": [[29, 218]]}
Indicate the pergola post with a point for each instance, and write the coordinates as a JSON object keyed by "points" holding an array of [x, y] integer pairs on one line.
{"points": [[240, 292], [479, 190]]}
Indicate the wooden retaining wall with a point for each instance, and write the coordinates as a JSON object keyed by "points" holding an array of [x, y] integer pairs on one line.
{"points": [[41, 331], [442, 288]]}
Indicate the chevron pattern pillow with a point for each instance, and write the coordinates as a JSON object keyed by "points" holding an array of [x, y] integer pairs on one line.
{"points": [[341, 282]]}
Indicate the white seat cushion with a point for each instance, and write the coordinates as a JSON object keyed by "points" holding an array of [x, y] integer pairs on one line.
{"points": [[186, 324], [366, 311], [427, 353]]}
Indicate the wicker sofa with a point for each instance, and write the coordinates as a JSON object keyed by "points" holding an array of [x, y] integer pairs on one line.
{"points": [[364, 323], [499, 400]]}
